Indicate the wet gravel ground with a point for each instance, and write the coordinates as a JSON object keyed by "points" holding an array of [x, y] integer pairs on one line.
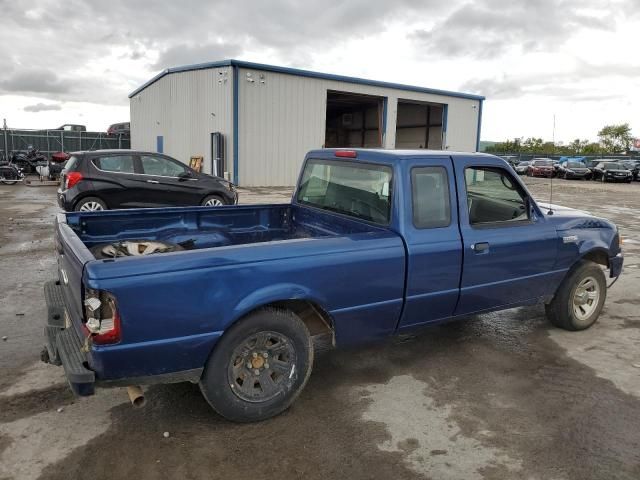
{"points": [[498, 396]]}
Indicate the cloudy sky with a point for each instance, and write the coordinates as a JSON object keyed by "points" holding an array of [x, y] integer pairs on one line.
{"points": [[76, 61]]}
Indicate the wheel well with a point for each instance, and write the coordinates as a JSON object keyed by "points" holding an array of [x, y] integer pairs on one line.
{"points": [[318, 321], [597, 256]]}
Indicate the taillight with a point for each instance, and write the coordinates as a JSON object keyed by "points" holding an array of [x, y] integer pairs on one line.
{"points": [[102, 320], [71, 179], [346, 153]]}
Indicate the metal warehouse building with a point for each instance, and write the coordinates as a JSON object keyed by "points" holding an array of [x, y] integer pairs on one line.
{"points": [[255, 122]]}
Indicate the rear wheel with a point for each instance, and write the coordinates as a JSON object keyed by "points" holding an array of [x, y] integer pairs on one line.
{"points": [[90, 204], [259, 366], [213, 201], [579, 299]]}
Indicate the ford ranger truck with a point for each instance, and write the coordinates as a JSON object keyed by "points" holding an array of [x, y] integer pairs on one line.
{"points": [[373, 243]]}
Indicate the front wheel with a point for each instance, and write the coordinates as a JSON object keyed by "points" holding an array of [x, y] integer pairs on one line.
{"points": [[259, 366], [579, 299]]}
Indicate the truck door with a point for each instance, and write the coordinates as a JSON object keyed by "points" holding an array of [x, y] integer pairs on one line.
{"points": [[433, 241], [509, 248]]}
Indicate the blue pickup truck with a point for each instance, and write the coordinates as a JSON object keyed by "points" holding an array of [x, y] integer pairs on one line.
{"points": [[374, 243]]}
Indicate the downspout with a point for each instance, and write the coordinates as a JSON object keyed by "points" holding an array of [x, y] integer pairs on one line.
{"points": [[479, 125], [236, 82]]}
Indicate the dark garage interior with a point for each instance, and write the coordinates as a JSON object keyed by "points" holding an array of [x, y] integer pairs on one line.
{"points": [[353, 120], [419, 125]]}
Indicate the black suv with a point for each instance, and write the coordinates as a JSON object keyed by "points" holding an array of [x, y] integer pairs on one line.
{"points": [[106, 179]]}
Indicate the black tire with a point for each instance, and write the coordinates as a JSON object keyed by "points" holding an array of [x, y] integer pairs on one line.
{"points": [[83, 204], [213, 198], [561, 310], [227, 395]]}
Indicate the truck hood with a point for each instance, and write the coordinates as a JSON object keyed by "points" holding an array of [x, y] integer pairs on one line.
{"points": [[566, 218]]}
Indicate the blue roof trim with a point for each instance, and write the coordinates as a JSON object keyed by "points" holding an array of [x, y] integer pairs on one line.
{"points": [[305, 73]]}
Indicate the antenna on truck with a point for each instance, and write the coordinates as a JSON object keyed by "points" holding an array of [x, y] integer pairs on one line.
{"points": [[550, 212]]}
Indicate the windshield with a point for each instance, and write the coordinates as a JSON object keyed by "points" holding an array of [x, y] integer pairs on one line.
{"points": [[575, 165], [613, 166], [351, 188], [524, 164], [543, 163]]}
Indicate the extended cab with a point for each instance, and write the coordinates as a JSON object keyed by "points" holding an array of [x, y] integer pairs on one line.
{"points": [[373, 243]]}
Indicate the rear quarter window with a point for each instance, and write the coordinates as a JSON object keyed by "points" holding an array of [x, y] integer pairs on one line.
{"points": [[116, 164]]}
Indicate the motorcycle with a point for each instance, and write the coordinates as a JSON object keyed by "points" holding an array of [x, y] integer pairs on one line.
{"points": [[28, 160], [53, 168], [10, 174]]}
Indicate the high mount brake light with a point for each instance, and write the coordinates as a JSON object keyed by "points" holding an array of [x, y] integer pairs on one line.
{"points": [[346, 153]]}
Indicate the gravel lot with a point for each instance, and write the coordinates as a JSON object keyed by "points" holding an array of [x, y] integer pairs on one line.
{"points": [[499, 396]]}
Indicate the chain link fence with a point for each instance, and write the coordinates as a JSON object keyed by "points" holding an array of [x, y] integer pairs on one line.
{"points": [[51, 141]]}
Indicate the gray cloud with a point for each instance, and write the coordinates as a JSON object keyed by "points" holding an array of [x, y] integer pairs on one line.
{"points": [[188, 54], [490, 28], [42, 107], [34, 81], [563, 85]]}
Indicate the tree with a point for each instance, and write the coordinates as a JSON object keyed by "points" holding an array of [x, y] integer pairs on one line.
{"points": [[616, 138], [507, 146], [592, 149], [577, 146]]}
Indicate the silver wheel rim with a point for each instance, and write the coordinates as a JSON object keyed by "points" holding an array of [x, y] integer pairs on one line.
{"points": [[585, 298], [91, 207], [213, 202]]}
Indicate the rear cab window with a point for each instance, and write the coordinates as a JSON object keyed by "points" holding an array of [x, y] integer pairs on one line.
{"points": [[430, 197], [356, 189], [115, 163], [494, 198]]}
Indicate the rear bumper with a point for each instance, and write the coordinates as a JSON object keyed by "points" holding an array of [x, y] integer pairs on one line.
{"points": [[63, 345]]}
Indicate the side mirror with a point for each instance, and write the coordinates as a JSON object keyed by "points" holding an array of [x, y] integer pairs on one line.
{"points": [[186, 175]]}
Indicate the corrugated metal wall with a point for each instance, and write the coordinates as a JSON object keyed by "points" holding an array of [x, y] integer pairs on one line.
{"points": [[281, 117], [185, 108]]}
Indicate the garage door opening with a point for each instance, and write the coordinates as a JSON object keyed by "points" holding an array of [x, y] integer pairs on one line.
{"points": [[353, 120], [419, 125]]}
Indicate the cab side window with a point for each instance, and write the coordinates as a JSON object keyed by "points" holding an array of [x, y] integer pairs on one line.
{"points": [[430, 195], [494, 197]]}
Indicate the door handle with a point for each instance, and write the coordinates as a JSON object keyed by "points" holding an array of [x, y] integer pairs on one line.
{"points": [[152, 181], [480, 247]]}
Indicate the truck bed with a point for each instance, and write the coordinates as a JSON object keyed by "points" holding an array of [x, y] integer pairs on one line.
{"points": [[199, 228]]}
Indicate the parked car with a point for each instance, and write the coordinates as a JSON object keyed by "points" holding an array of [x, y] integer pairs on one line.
{"points": [[511, 159], [108, 179], [373, 243], [634, 167], [70, 127], [522, 168], [571, 170], [612, 172], [541, 167], [116, 129]]}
